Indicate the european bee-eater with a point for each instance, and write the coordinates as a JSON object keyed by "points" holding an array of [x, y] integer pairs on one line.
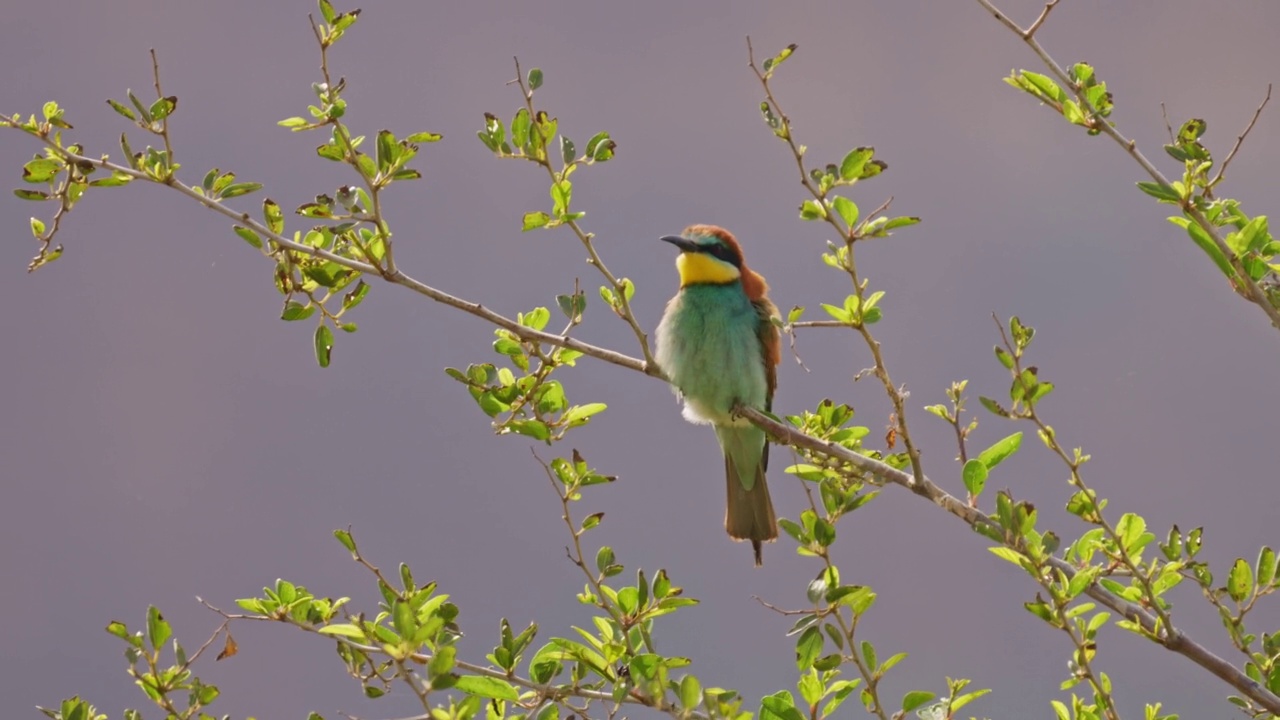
{"points": [[718, 346]]}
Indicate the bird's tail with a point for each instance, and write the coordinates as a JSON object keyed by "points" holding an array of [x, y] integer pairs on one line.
{"points": [[749, 515]]}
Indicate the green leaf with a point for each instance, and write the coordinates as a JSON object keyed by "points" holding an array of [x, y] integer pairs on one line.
{"points": [[855, 162], [812, 210], [520, 129], [1009, 554], [355, 296], [535, 429], [580, 414], [1004, 357], [770, 64], [808, 647], [344, 537], [534, 220], [119, 629], [323, 345], [273, 215], [164, 107], [1191, 130], [1206, 243], [1043, 86], [561, 194], [158, 629], [331, 152], [40, 170], [239, 189], [897, 222], [838, 313], [292, 122], [975, 476], [1001, 450], [297, 311], [567, 150], [1240, 580], [600, 147], [690, 692], [1163, 193], [122, 109], [489, 687], [117, 179], [535, 78], [779, 706], [1266, 567], [847, 209], [388, 150], [915, 699], [137, 105], [424, 137], [30, 194], [573, 306], [604, 558], [869, 654]]}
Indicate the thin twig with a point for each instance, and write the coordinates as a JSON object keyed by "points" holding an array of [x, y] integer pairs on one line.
{"points": [[586, 238], [1044, 15], [850, 235], [1168, 128], [164, 122], [243, 218], [1222, 169], [779, 610]]}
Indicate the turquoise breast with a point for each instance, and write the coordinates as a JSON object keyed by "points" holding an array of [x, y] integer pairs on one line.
{"points": [[709, 347]]}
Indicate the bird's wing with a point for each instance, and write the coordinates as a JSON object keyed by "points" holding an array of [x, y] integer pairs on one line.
{"points": [[771, 349], [770, 345]]}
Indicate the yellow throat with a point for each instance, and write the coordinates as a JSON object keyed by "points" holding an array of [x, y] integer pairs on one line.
{"points": [[698, 268]]}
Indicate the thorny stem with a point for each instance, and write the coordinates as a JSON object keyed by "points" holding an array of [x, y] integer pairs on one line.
{"points": [[586, 238], [1252, 292], [896, 395]]}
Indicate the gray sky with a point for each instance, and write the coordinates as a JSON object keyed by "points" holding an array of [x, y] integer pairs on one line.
{"points": [[165, 435]]}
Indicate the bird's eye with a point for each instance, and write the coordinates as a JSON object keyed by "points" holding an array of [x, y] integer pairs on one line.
{"points": [[723, 253]]}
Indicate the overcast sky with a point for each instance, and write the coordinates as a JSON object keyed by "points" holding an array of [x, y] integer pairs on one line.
{"points": [[164, 434]]}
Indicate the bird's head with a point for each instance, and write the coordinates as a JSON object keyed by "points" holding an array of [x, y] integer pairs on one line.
{"points": [[709, 255]]}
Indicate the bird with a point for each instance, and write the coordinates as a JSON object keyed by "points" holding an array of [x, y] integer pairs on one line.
{"points": [[718, 346]]}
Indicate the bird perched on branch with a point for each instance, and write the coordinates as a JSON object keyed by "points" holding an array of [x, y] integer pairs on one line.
{"points": [[718, 346]]}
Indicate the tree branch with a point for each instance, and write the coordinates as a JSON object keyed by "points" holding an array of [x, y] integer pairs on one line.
{"points": [[1175, 639], [1252, 291], [395, 278]]}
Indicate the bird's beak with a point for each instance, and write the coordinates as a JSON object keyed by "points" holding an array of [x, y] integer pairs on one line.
{"points": [[683, 244]]}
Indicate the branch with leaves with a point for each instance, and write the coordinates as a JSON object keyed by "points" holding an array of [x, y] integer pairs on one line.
{"points": [[321, 272], [1247, 255]]}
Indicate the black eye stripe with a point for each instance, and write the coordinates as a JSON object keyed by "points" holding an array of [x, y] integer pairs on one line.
{"points": [[723, 253]]}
